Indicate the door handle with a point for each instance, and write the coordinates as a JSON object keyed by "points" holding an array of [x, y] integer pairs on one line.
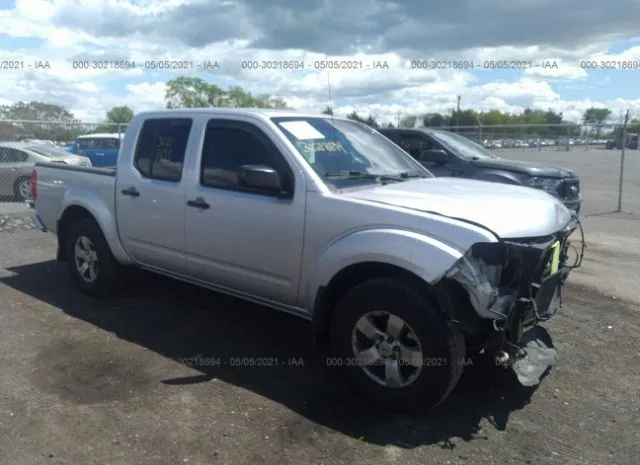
{"points": [[131, 192], [198, 203]]}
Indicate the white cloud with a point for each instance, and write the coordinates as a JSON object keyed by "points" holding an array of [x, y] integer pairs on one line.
{"points": [[385, 92], [560, 72]]}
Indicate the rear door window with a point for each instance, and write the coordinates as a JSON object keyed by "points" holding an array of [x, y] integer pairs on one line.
{"points": [[161, 148]]}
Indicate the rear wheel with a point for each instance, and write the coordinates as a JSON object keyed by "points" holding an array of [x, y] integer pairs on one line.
{"points": [[91, 263], [395, 345], [22, 189]]}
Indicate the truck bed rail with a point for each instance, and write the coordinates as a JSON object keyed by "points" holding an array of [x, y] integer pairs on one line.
{"points": [[80, 169]]}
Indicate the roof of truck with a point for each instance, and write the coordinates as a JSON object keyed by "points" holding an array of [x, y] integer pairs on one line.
{"points": [[100, 135], [264, 112]]}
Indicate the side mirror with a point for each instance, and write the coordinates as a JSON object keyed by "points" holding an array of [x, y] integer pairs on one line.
{"points": [[438, 156], [261, 177], [415, 153]]}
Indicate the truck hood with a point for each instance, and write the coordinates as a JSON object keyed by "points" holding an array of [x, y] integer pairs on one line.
{"points": [[508, 211], [525, 167]]}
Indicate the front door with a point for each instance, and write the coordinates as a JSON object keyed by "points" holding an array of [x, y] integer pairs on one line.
{"points": [[237, 238], [150, 195]]}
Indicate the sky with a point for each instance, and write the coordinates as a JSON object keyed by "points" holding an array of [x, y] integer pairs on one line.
{"points": [[551, 52]]}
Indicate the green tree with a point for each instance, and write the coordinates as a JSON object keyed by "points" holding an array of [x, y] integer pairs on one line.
{"points": [[46, 121], [328, 110], [117, 119], [369, 120], [408, 122], [120, 115], [434, 120], [596, 117], [189, 92]]}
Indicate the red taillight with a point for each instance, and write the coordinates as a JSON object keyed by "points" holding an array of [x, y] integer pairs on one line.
{"points": [[34, 185]]}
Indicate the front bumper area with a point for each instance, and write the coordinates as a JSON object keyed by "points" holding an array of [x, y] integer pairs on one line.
{"points": [[514, 285]]}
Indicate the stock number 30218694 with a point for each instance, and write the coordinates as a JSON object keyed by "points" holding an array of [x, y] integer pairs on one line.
{"points": [[272, 64], [442, 64]]}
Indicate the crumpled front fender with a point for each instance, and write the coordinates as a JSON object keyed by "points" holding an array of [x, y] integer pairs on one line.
{"points": [[417, 253]]}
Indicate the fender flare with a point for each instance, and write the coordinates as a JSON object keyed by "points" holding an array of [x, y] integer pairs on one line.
{"points": [[424, 256], [101, 213]]}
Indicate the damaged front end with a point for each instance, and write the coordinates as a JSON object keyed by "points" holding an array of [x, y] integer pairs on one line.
{"points": [[513, 285]]}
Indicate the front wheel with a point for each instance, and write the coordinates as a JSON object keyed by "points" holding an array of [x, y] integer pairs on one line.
{"points": [[91, 263], [395, 344]]}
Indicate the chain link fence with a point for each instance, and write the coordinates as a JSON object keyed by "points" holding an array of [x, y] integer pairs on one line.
{"points": [[23, 143], [606, 157]]}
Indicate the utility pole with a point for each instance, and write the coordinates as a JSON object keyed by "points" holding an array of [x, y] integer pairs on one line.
{"points": [[622, 154], [458, 115], [398, 120]]}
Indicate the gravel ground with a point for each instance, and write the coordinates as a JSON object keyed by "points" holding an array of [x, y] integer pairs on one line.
{"points": [[86, 381]]}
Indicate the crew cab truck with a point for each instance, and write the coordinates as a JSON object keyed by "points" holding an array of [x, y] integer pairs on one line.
{"points": [[400, 273], [446, 153]]}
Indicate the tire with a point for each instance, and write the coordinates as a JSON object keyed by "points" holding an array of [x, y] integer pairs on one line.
{"points": [[109, 276], [22, 189], [441, 346]]}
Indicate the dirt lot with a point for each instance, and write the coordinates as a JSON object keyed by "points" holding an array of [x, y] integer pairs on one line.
{"points": [[86, 381]]}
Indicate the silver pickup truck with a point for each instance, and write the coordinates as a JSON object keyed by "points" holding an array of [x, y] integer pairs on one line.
{"points": [[402, 275]]}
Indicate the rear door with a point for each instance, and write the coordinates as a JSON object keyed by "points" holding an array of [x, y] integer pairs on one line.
{"points": [[150, 195], [102, 151]]}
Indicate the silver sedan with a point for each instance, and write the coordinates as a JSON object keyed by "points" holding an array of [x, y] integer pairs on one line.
{"points": [[17, 161]]}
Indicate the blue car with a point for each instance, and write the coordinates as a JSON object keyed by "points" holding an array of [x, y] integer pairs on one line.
{"points": [[101, 149]]}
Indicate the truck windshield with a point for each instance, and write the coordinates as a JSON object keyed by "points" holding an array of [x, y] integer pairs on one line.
{"points": [[342, 151], [462, 146]]}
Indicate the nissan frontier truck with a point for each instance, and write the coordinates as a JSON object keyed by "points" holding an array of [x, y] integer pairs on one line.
{"points": [[401, 274]]}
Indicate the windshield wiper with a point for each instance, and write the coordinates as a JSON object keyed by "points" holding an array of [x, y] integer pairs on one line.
{"points": [[351, 174], [411, 174]]}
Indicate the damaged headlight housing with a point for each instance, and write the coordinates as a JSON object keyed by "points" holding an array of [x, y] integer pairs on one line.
{"points": [[482, 272], [495, 275]]}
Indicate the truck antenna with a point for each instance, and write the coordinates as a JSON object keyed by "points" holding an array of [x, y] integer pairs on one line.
{"points": [[333, 123], [329, 87]]}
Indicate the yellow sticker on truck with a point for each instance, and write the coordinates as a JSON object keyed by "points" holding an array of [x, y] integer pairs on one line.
{"points": [[555, 257]]}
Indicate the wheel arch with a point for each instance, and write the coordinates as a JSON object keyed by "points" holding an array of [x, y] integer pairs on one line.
{"points": [[83, 204], [449, 295]]}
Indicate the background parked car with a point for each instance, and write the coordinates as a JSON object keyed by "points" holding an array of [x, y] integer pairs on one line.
{"points": [[17, 160], [449, 154], [102, 149]]}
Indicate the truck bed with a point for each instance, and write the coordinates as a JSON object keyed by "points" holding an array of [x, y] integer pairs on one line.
{"points": [[55, 180]]}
